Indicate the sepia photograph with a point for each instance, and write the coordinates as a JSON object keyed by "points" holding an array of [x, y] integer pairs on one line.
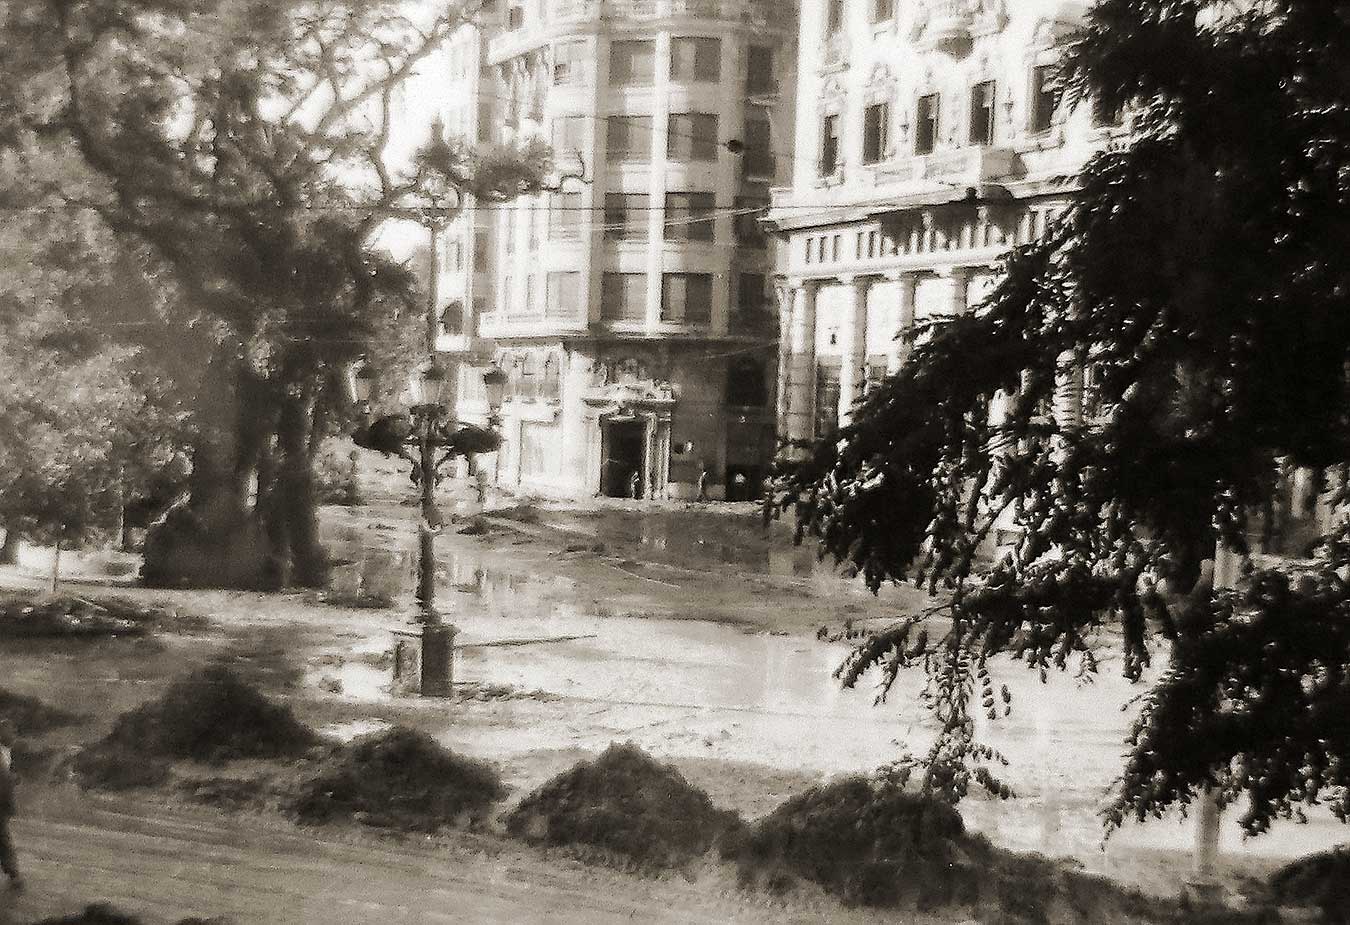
{"points": [[674, 461]]}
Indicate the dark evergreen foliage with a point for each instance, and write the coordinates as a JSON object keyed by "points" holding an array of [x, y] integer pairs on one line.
{"points": [[1200, 272]]}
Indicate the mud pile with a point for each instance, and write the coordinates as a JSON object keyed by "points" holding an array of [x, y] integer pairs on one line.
{"points": [[628, 807], [399, 779]]}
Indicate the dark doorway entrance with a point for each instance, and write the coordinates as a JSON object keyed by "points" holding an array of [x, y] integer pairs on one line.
{"points": [[623, 445]]}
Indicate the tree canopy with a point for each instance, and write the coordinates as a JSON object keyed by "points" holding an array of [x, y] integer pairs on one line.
{"points": [[246, 142], [1200, 275]]}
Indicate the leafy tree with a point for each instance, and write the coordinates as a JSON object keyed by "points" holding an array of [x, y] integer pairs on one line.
{"points": [[245, 142], [1201, 274]]}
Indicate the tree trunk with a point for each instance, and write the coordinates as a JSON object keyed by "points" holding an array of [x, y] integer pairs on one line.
{"points": [[9, 549], [298, 505], [56, 567]]}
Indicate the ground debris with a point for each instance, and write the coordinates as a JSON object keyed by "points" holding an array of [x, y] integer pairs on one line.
{"points": [[399, 779], [626, 806]]}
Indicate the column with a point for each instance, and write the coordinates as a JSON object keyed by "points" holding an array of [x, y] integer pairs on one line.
{"points": [[802, 366], [960, 290], [784, 294], [853, 368], [907, 288], [1068, 400]]}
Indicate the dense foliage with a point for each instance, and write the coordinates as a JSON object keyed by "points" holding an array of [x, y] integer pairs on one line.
{"points": [[1200, 276], [246, 144]]}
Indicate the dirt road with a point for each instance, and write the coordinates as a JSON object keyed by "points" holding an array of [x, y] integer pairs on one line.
{"points": [[167, 863]]}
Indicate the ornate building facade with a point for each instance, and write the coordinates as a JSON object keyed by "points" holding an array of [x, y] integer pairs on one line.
{"points": [[632, 310], [931, 138]]}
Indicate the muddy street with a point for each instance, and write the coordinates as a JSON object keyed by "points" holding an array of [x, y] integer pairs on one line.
{"points": [[568, 643]]}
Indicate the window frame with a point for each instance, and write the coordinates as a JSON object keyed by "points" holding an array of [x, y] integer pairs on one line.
{"points": [[704, 281], [876, 140], [830, 148], [1043, 99], [619, 224], [692, 146], [624, 285], [686, 222], [927, 130], [628, 125], [983, 112], [631, 76]]}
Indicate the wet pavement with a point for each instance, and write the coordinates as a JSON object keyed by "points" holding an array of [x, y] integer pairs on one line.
{"points": [[702, 651], [698, 689]]}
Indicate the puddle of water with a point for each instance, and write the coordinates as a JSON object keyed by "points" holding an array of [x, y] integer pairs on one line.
{"points": [[345, 732]]}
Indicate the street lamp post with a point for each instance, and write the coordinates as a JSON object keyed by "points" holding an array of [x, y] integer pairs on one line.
{"points": [[428, 428]]}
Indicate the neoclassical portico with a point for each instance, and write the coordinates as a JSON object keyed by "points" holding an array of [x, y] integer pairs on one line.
{"points": [[853, 332]]}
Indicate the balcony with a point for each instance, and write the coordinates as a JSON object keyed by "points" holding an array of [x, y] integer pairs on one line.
{"points": [[527, 31], [968, 165], [952, 25], [836, 50]]}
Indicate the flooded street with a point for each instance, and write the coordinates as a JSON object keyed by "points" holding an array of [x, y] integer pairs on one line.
{"points": [[570, 638], [586, 648]]}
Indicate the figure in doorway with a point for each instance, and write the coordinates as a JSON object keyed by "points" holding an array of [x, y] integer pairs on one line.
{"points": [[635, 486], [703, 481]]}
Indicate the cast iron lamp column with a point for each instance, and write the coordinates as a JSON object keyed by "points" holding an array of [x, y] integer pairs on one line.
{"points": [[429, 428]]}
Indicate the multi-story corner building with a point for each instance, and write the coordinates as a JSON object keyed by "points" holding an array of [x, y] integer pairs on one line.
{"points": [[937, 140], [463, 252], [631, 309]]}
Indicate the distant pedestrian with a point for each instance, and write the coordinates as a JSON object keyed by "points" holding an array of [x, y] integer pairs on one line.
{"points": [[635, 486], [702, 481], [8, 862]]}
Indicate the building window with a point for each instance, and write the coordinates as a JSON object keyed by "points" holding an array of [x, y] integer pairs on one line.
{"points": [[563, 299], [691, 137], [876, 120], [632, 64], [695, 60], [507, 294], [569, 135], [834, 16], [1044, 97], [827, 396], [686, 298], [628, 138], [759, 76], [480, 250], [749, 232], [623, 297], [626, 216], [531, 307], [565, 214], [758, 159], [689, 216], [808, 250], [982, 98], [745, 383], [829, 145], [882, 10], [750, 308], [569, 63], [926, 124]]}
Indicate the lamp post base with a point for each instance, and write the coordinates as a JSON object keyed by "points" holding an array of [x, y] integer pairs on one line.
{"points": [[424, 661]]}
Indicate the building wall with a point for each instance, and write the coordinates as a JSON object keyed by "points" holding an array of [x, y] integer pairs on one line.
{"points": [[908, 224], [553, 69]]}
